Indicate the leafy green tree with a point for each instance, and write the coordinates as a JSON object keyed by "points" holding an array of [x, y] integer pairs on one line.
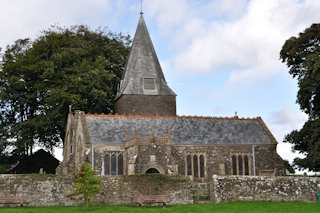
{"points": [[86, 185], [302, 56], [289, 167], [39, 80]]}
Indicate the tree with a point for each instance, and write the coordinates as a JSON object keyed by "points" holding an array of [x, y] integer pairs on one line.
{"points": [[302, 56], [86, 185], [39, 80], [289, 167]]}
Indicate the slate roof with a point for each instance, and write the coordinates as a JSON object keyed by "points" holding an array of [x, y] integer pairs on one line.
{"points": [[143, 63], [111, 129]]}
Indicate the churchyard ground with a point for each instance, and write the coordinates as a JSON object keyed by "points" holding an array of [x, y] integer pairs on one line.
{"points": [[234, 207]]}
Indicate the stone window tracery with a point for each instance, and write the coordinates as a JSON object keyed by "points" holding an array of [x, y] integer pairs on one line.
{"points": [[234, 165], [106, 164], [195, 164], [201, 158], [120, 164], [189, 167], [240, 164], [113, 163], [246, 165]]}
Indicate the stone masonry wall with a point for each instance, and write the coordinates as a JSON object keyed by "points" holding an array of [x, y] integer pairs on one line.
{"points": [[146, 105], [42, 190], [50, 190], [259, 188]]}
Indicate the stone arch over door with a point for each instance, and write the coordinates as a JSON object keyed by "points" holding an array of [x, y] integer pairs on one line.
{"points": [[153, 166], [152, 170]]}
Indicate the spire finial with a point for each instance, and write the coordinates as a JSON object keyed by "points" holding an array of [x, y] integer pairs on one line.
{"points": [[141, 8]]}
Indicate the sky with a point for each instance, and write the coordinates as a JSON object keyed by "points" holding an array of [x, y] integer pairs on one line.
{"points": [[220, 57]]}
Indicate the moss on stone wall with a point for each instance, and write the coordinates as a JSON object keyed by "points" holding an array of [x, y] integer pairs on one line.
{"points": [[51, 190], [156, 183]]}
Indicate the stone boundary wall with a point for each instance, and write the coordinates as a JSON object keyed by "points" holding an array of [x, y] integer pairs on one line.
{"points": [[259, 188], [51, 190], [42, 190]]}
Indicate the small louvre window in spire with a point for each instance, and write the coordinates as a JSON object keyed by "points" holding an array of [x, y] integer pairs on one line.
{"points": [[148, 84]]}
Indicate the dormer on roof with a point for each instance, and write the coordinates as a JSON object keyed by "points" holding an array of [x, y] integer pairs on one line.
{"points": [[143, 88]]}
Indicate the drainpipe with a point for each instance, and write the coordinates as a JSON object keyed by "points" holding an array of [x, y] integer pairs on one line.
{"points": [[254, 161], [92, 156]]}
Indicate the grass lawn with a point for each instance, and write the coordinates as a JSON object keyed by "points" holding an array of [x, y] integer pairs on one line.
{"points": [[235, 207]]}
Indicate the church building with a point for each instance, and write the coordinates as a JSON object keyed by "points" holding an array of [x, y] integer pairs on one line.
{"points": [[146, 136]]}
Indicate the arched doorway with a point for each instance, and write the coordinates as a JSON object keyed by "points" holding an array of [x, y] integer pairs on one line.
{"points": [[152, 170]]}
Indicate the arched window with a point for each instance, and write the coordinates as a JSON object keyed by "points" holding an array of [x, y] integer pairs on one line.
{"points": [[201, 166], [195, 166], [246, 165], [234, 165], [189, 167], [120, 165], [106, 165], [240, 165], [113, 165]]}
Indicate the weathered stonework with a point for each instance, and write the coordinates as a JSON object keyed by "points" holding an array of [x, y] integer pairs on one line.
{"points": [[42, 190], [259, 188], [46, 190], [146, 105]]}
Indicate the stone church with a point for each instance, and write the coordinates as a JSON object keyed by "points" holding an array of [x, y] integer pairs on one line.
{"points": [[146, 136]]}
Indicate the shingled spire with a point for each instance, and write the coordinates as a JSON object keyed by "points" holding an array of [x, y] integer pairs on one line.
{"points": [[143, 88]]}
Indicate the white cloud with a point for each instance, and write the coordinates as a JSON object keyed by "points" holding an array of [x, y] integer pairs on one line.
{"points": [[289, 117], [169, 14], [21, 19], [58, 153], [227, 9], [244, 35], [282, 123]]}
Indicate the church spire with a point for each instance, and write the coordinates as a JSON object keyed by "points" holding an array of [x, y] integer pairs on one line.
{"points": [[143, 88], [143, 74]]}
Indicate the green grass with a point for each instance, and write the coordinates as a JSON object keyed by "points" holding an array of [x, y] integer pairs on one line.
{"points": [[236, 207]]}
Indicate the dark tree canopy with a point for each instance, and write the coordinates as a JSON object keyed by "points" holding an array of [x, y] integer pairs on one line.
{"points": [[289, 167], [33, 163], [302, 56], [39, 80]]}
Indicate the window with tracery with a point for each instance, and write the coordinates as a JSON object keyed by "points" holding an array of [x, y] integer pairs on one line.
{"points": [[113, 163], [246, 165], [189, 167], [195, 165], [234, 165], [240, 164]]}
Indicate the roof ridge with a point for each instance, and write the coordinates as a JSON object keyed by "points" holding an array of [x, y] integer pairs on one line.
{"points": [[170, 116]]}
